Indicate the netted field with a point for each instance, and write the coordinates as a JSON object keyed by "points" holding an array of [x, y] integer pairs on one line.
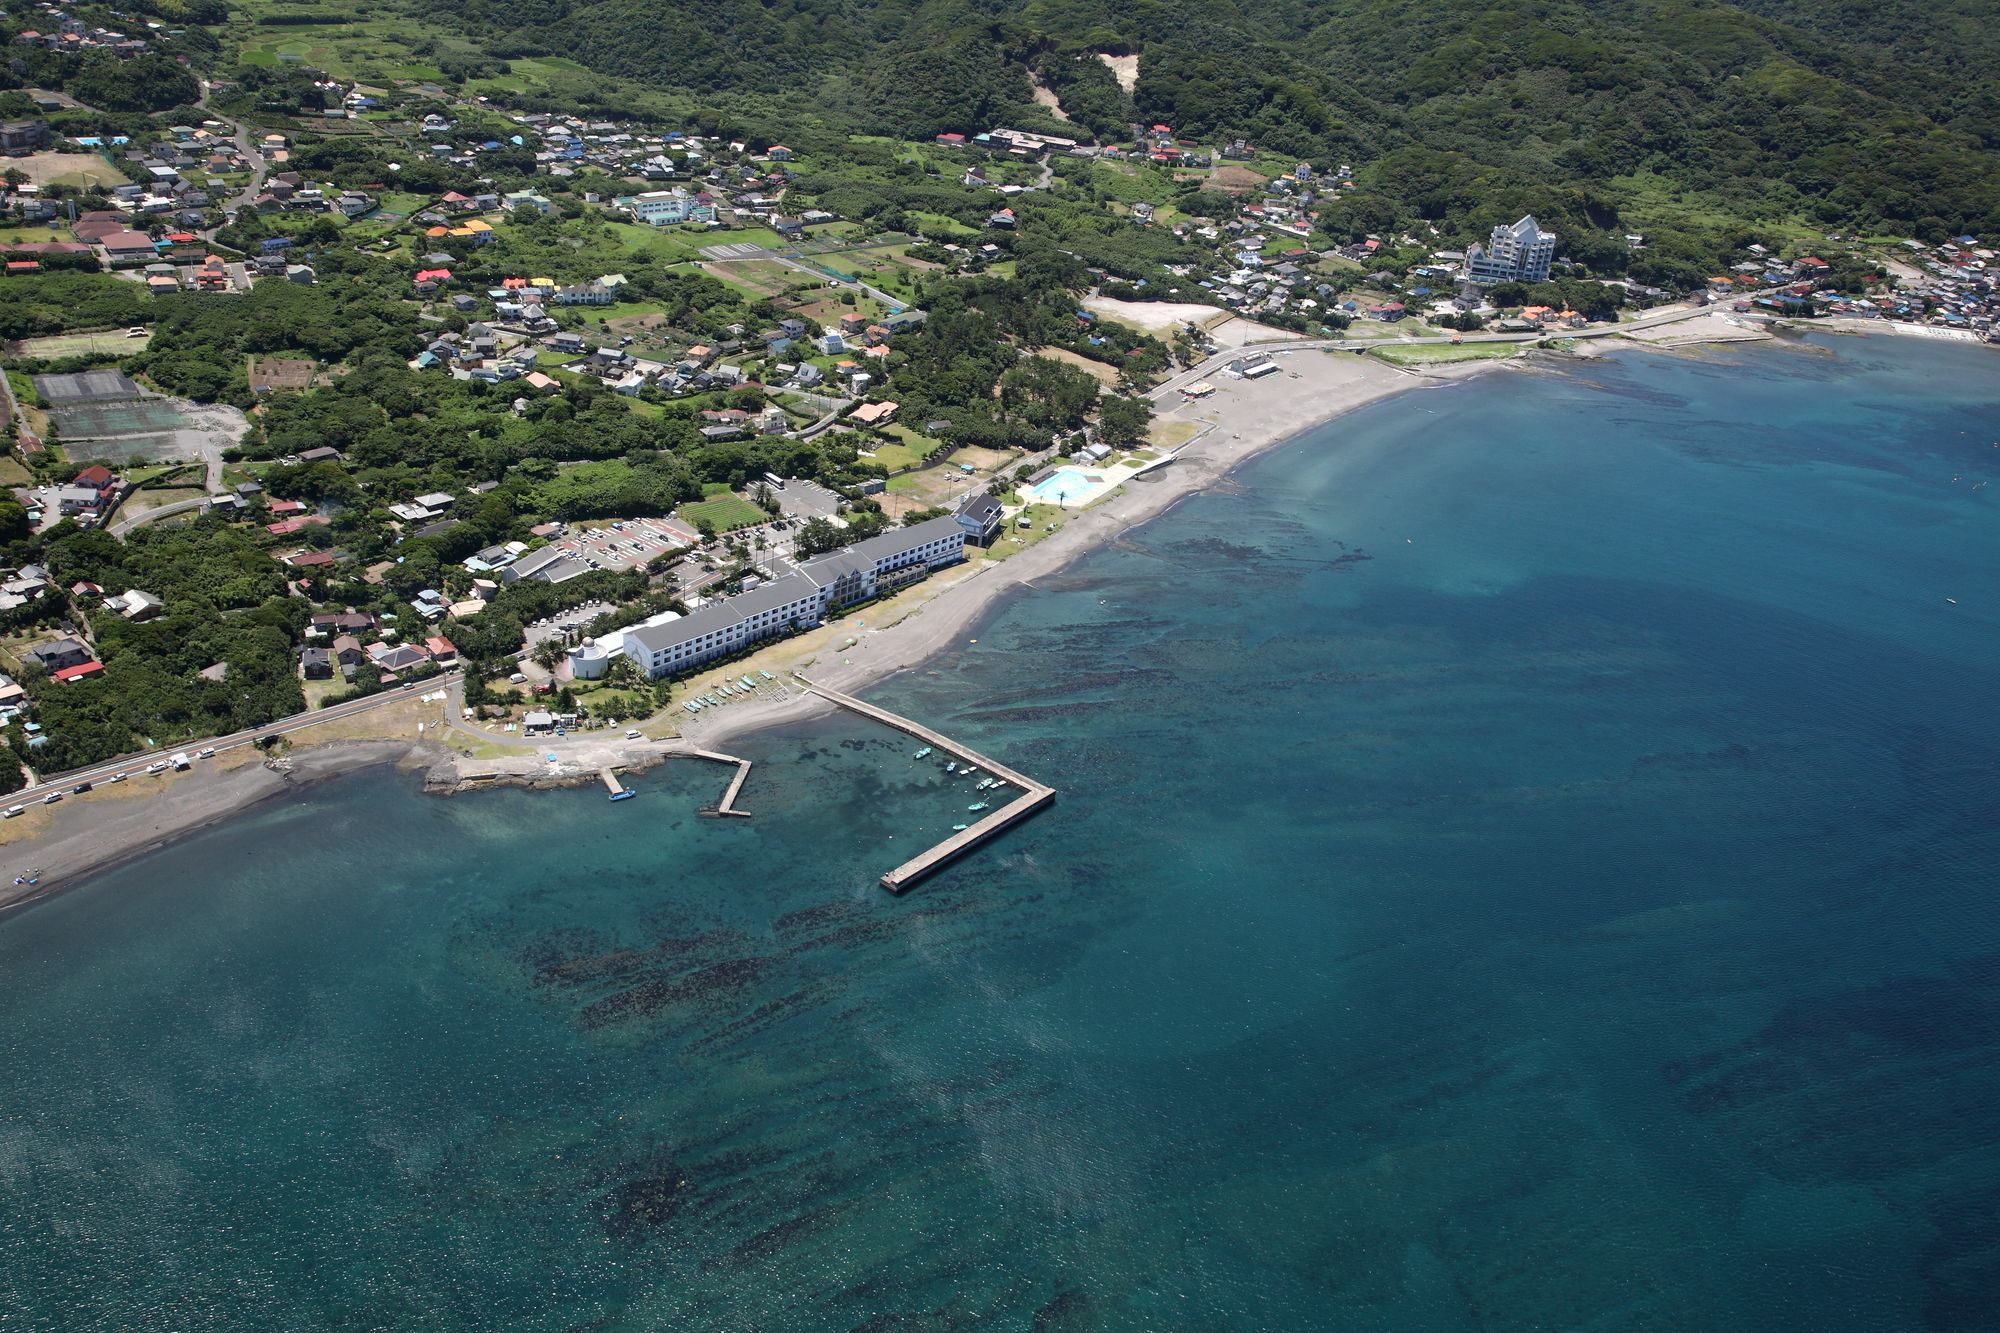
{"points": [[147, 448], [89, 421]]}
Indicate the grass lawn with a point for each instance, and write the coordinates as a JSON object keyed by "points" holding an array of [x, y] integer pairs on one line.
{"points": [[1171, 434], [763, 236], [1433, 354], [13, 472], [55, 345], [1045, 520], [896, 457], [662, 241], [726, 512], [938, 223]]}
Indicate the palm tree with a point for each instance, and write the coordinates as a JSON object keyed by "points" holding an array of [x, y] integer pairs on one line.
{"points": [[548, 654]]}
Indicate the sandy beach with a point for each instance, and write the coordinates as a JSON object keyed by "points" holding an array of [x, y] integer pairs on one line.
{"points": [[77, 837], [58, 845], [1243, 418]]}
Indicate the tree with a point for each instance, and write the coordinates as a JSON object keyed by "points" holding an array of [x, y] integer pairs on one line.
{"points": [[816, 537], [1122, 420], [548, 654], [767, 500]]}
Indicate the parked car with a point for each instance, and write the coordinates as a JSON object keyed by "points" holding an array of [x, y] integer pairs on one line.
{"points": [[13, 810], [52, 798], [79, 789], [209, 753]]}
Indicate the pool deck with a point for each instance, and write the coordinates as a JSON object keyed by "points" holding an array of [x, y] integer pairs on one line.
{"points": [[1034, 795]]}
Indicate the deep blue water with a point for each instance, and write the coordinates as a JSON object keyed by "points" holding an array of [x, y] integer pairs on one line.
{"points": [[1526, 860]]}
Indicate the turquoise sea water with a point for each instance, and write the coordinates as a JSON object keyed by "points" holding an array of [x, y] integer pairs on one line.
{"points": [[1526, 860]]}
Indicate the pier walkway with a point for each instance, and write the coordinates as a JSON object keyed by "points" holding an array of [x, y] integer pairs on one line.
{"points": [[727, 806], [1034, 795]]}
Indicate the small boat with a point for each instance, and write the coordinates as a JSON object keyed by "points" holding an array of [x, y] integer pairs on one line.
{"points": [[749, 684], [977, 805], [767, 675], [922, 754], [960, 828], [972, 772], [951, 765], [692, 706]]}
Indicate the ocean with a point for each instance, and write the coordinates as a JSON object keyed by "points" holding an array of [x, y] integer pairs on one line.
{"points": [[1525, 860]]}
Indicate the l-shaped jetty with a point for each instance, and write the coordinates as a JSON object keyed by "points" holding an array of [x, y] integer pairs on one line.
{"points": [[1034, 795]]}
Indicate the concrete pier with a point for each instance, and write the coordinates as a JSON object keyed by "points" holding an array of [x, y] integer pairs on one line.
{"points": [[1034, 795], [727, 806], [612, 784]]}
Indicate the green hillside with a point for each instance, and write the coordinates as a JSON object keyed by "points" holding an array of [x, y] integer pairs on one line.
{"points": [[1875, 117]]}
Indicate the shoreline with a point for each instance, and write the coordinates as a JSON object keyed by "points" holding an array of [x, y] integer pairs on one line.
{"points": [[1243, 419]]}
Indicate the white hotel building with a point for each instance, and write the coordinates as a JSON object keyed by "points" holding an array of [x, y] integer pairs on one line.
{"points": [[825, 583]]}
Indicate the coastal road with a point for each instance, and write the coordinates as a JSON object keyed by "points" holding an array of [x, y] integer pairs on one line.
{"points": [[134, 765], [1221, 359]]}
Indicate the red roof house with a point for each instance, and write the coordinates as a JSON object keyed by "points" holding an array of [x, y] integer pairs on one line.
{"points": [[81, 671]]}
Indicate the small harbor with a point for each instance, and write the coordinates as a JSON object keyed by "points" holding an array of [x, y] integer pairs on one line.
{"points": [[1034, 795]]}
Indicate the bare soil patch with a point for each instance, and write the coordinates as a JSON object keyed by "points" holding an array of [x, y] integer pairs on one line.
{"points": [[1235, 178]]}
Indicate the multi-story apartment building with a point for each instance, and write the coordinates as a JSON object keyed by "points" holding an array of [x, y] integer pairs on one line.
{"points": [[1520, 253]]}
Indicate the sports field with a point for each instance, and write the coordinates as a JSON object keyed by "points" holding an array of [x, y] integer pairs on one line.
{"points": [[725, 512], [113, 343]]}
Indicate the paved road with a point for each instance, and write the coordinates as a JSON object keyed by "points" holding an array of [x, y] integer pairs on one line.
{"points": [[135, 764], [164, 511], [1214, 363], [259, 168]]}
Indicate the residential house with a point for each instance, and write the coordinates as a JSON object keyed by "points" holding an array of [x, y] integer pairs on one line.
{"points": [[60, 654], [979, 515], [315, 663], [136, 605]]}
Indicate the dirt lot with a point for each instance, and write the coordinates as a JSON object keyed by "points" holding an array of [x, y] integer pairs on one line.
{"points": [[68, 169], [1234, 177], [1103, 374]]}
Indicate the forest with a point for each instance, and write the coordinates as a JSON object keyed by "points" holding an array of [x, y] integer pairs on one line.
{"points": [[1876, 119]]}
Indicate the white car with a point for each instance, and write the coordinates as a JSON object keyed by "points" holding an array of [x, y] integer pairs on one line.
{"points": [[634, 734], [209, 753], [13, 810], [52, 798], [160, 767]]}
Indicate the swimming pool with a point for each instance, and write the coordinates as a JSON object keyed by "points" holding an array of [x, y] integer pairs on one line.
{"points": [[1069, 486]]}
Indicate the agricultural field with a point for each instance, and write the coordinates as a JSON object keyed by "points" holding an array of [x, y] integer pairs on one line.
{"points": [[759, 277]]}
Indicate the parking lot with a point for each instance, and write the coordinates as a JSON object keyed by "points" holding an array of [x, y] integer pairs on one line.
{"points": [[807, 499], [559, 627], [622, 546]]}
